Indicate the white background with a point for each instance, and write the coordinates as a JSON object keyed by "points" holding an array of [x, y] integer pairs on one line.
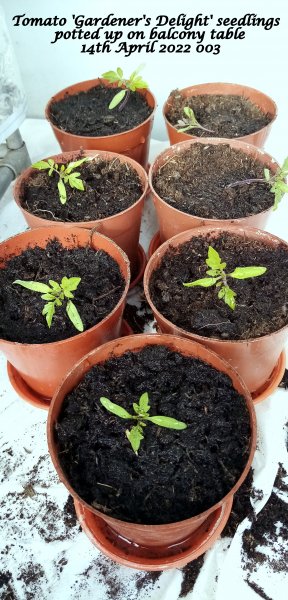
{"points": [[260, 60]]}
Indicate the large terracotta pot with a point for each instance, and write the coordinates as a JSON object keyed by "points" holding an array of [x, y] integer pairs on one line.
{"points": [[173, 221], [254, 359], [152, 537], [42, 366], [266, 104], [123, 228], [133, 143]]}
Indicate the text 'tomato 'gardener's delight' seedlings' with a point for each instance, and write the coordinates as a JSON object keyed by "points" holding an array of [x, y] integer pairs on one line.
{"points": [[135, 434], [56, 293], [218, 277]]}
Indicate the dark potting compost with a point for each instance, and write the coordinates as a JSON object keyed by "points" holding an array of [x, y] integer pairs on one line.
{"points": [[110, 187], [197, 181], [99, 291], [177, 474], [228, 116], [87, 113], [261, 302]]}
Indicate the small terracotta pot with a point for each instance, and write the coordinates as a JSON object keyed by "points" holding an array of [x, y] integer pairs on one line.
{"points": [[42, 366], [266, 105], [152, 537], [133, 143], [254, 359], [173, 221], [123, 228]]}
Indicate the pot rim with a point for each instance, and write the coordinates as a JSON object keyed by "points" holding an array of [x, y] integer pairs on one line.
{"points": [[71, 230], [27, 173], [94, 83], [163, 339], [202, 231], [182, 146], [222, 85]]}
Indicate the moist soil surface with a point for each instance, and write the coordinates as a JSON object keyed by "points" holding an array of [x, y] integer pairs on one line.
{"points": [[183, 472], [110, 187], [98, 292], [261, 302], [197, 183], [228, 116], [87, 113]]}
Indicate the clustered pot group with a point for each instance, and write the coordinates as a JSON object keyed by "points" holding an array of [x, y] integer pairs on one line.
{"points": [[209, 380]]}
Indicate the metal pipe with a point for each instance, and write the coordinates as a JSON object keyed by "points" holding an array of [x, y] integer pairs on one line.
{"points": [[15, 160]]}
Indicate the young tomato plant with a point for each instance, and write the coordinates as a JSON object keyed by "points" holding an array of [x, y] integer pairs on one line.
{"points": [[189, 121], [56, 294], [141, 410], [66, 174], [277, 182], [218, 277], [135, 82]]}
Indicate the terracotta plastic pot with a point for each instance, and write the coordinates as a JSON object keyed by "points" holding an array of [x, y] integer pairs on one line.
{"points": [[133, 143], [254, 359], [173, 221], [153, 538], [42, 366], [123, 228], [266, 105]]}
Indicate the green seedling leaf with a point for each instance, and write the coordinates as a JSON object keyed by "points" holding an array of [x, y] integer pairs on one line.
{"points": [[111, 76], [168, 422], [135, 437], [74, 316], [267, 174], [229, 297], [41, 165], [70, 284], [48, 297], [247, 272], [34, 286], [214, 261], [62, 191], [54, 285], [75, 182], [74, 164], [115, 408], [117, 99], [206, 282], [49, 311], [144, 403], [119, 72]]}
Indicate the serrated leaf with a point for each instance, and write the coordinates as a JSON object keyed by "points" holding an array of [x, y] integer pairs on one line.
{"points": [[70, 284], [54, 285], [74, 164], [117, 99], [48, 297], [49, 311], [229, 297], [115, 409], [62, 191], [135, 437], [136, 408], [213, 272], [75, 182], [213, 261], [111, 76], [144, 403], [205, 282], [74, 316], [168, 422], [41, 165], [34, 286], [247, 272], [52, 163]]}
